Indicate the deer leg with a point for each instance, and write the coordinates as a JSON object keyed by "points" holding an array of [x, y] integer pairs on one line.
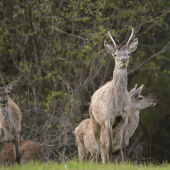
{"points": [[103, 154], [117, 157], [16, 149], [81, 153], [123, 133], [93, 158], [2, 146], [96, 132], [109, 148]]}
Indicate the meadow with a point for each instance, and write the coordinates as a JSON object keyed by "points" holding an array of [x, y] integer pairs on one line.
{"points": [[74, 165]]}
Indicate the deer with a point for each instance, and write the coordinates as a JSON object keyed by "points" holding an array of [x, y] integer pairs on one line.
{"points": [[82, 152], [28, 150], [10, 118], [87, 143], [138, 102], [111, 102]]}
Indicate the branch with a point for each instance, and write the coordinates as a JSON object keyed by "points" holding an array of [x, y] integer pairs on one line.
{"points": [[73, 36], [166, 47], [34, 37], [22, 72], [134, 144], [164, 58]]}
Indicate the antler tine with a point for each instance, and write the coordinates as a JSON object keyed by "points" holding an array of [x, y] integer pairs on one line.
{"points": [[112, 38], [130, 36]]}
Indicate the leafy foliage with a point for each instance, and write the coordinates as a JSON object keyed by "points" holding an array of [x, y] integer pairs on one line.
{"points": [[57, 49]]}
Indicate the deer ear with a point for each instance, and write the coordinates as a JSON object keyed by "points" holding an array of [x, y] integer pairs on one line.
{"points": [[133, 45], [13, 84], [133, 90], [137, 93], [109, 48]]}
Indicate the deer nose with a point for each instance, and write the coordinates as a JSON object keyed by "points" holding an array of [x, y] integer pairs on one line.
{"points": [[3, 101], [123, 60], [155, 100]]}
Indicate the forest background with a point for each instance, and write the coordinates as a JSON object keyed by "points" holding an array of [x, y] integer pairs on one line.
{"points": [[56, 47]]}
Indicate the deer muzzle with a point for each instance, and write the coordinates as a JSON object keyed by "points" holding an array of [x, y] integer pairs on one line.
{"points": [[4, 102], [124, 60], [154, 102]]}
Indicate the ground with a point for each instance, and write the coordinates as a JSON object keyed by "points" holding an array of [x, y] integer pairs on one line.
{"points": [[74, 165]]}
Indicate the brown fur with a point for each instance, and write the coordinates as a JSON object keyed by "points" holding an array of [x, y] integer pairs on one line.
{"points": [[10, 118], [28, 150], [82, 152]]}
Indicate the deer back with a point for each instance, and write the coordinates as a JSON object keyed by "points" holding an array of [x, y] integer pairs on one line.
{"points": [[28, 150]]}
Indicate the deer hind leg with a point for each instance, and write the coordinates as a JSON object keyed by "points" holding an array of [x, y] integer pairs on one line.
{"points": [[109, 147], [122, 143], [96, 132], [117, 157], [16, 149], [93, 158]]}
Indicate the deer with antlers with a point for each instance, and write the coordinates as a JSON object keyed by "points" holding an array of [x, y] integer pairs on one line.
{"points": [[111, 102], [10, 118], [85, 140]]}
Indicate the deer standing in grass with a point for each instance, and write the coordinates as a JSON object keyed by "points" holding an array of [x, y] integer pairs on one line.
{"points": [[112, 101], [85, 140], [10, 118], [28, 150]]}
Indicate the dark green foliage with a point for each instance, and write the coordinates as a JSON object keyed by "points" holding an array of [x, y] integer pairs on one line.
{"points": [[57, 49]]}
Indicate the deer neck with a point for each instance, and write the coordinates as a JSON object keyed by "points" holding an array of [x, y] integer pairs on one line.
{"points": [[5, 116], [119, 82], [120, 95], [134, 112]]}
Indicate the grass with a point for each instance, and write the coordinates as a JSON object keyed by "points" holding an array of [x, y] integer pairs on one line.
{"points": [[74, 165]]}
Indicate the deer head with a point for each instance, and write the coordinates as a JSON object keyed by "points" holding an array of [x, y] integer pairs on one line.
{"points": [[140, 102], [121, 54], [5, 91]]}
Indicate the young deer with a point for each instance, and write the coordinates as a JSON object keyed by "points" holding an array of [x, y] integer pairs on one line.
{"points": [[28, 150], [87, 142], [112, 101], [10, 118], [82, 152]]}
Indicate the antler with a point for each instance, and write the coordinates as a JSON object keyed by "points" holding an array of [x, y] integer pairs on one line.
{"points": [[130, 36], [112, 38]]}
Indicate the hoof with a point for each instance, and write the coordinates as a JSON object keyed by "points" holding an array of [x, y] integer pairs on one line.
{"points": [[18, 161]]}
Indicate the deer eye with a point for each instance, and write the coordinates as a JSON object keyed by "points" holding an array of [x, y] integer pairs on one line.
{"points": [[128, 54], [140, 98], [8, 93], [114, 55]]}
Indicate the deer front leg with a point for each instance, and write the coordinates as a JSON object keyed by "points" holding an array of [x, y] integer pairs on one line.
{"points": [[109, 147], [16, 149], [82, 153], [123, 133], [2, 146], [103, 154], [96, 132]]}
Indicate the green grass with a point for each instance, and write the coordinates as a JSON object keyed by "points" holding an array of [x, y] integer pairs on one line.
{"points": [[74, 165]]}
